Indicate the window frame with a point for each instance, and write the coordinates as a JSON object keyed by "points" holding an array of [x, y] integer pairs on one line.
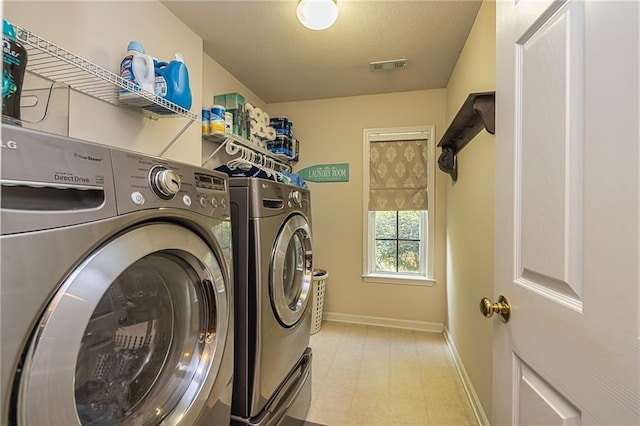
{"points": [[425, 278]]}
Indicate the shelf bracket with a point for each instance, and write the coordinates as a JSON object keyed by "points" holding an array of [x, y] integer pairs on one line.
{"points": [[175, 138], [448, 162], [222, 145], [477, 113]]}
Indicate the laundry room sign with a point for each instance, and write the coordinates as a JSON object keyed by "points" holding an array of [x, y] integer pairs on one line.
{"points": [[326, 173]]}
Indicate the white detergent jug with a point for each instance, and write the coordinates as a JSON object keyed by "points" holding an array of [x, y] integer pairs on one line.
{"points": [[137, 67]]}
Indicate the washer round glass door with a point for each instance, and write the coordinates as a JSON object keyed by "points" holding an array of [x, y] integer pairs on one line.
{"points": [[291, 270], [135, 335]]}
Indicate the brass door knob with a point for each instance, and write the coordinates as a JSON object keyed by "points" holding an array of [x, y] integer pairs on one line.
{"points": [[502, 308]]}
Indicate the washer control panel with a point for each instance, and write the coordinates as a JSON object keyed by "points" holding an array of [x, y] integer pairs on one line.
{"points": [[143, 182]]}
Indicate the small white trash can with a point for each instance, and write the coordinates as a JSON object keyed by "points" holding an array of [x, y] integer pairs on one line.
{"points": [[319, 287]]}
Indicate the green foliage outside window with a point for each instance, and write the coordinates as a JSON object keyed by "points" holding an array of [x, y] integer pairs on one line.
{"points": [[397, 245]]}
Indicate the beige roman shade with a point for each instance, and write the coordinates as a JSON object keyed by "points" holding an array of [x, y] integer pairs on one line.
{"points": [[398, 178]]}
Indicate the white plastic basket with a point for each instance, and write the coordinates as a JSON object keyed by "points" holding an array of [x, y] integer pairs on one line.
{"points": [[319, 285]]}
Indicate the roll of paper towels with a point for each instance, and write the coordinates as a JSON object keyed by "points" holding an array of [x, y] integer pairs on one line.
{"points": [[249, 108]]}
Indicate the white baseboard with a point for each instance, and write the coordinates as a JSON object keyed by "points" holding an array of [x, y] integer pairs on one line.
{"points": [[478, 410], [433, 327]]}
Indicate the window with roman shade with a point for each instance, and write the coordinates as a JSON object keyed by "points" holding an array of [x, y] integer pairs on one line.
{"points": [[398, 191]]}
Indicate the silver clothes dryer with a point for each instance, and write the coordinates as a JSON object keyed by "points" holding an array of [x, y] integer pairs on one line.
{"points": [[116, 297], [273, 260]]}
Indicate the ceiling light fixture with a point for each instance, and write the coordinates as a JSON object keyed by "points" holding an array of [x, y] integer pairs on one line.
{"points": [[317, 14]]}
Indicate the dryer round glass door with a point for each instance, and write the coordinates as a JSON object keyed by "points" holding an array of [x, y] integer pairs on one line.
{"points": [[135, 335], [291, 271]]}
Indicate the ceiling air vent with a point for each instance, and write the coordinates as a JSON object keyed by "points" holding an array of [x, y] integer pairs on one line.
{"points": [[394, 64]]}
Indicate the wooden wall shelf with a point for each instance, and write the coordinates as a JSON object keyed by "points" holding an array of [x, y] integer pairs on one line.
{"points": [[476, 113]]}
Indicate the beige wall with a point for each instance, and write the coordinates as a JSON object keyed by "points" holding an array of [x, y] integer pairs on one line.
{"points": [[217, 80], [470, 213], [331, 131]]}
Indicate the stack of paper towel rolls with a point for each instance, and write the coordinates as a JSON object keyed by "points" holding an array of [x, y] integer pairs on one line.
{"points": [[259, 130]]}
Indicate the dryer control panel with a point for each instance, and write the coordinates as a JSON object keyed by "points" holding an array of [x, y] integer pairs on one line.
{"points": [[269, 198], [143, 182]]}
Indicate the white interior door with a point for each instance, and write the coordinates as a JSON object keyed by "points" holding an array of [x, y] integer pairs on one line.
{"points": [[567, 213]]}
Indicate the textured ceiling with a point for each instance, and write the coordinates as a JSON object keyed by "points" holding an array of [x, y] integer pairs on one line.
{"points": [[265, 47]]}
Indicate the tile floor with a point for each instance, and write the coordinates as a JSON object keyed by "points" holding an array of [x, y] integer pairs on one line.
{"points": [[366, 375]]}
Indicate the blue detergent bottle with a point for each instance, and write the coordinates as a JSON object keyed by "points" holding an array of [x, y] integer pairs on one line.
{"points": [[172, 82]]}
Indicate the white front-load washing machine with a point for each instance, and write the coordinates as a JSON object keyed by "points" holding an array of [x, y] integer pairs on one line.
{"points": [[116, 297]]}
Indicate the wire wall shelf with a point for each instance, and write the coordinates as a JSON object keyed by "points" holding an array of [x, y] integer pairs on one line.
{"points": [[242, 142], [58, 64]]}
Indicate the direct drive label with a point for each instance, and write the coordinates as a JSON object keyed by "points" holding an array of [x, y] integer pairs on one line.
{"points": [[65, 177]]}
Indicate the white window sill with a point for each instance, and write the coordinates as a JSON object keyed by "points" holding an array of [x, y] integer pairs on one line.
{"points": [[399, 280]]}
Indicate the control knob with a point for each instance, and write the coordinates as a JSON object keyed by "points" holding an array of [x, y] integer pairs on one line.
{"points": [[165, 183], [295, 197]]}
